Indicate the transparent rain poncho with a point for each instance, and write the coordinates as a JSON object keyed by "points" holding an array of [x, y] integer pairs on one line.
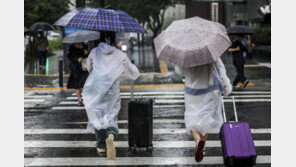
{"points": [[101, 94], [204, 86]]}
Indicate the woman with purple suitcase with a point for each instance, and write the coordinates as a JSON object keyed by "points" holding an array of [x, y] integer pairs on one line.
{"points": [[204, 86]]}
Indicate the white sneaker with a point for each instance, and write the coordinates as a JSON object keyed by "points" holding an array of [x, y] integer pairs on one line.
{"points": [[101, 150], [111, 152]]}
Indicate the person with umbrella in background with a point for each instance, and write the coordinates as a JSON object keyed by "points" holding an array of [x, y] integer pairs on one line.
{"points": [[77, 78], [239, 50], [101, 93], [42, 42], [42, 47], [195, 45], [78, 52]]}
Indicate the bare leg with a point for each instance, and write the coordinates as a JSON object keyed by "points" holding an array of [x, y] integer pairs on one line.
{"points": [[78, 94], [198, 136]]}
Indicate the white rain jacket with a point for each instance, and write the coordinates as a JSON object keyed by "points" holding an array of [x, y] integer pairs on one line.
{"points": [[101, 94], [204, 86]]}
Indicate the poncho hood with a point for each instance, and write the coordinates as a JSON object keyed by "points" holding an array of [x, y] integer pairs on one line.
{"points": [[105, 48]]}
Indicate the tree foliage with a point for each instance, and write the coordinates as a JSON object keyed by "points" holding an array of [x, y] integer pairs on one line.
{"points": [[45, 10], [146, 12]]}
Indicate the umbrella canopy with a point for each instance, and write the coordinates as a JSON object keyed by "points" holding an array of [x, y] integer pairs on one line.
{"points": [[192, 42], [41, 26], [240, 29], [100, 19], [81, 36]]}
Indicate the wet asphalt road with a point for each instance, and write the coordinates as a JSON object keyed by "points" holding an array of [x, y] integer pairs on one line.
{"points": [[55, 132]]}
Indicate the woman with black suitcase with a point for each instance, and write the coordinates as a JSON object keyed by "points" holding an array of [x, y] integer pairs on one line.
{"points": [[78, 76], [101, 91]]}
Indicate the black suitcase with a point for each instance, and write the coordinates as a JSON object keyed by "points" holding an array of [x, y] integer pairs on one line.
{"points": [[140, 124]]}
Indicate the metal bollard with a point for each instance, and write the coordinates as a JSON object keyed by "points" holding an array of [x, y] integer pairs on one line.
{"points": [[61, 72]]}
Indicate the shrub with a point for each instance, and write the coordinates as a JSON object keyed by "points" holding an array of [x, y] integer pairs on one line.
{"points": [[56, 44], [262, 36]]}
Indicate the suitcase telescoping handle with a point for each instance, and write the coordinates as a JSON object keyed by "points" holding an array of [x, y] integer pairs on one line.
{"points": [[132, 89], [132, 84], [234, 110]]}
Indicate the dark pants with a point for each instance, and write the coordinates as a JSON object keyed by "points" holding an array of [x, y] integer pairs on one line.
{"points": [[102, 134], [42, 57], [239, 65]]}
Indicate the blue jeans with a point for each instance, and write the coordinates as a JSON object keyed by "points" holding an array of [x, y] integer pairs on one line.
{"points": [[102, 134], [42, 57]]}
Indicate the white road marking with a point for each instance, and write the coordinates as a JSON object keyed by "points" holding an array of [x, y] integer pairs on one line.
{"points": [[182, 93], [168, 106], [68, 108], [30, 105], [69, 102], [124, 144], [154, 121], [83, 108], [182, 97], [249, 92], [266, 64], [34, 100], [180, 101], [38, 96], [121, 131], [226, 100], [129, 161]]}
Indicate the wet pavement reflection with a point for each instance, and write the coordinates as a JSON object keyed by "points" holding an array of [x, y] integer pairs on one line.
{"points": [[55, 126]]}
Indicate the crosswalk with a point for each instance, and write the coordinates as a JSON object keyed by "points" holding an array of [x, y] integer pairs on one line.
{"points": [[33, 99], [68, 143]]}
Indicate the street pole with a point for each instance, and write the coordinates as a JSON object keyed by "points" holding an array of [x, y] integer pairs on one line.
{"points": [[80, 3], [102, 3], [61, 72]]}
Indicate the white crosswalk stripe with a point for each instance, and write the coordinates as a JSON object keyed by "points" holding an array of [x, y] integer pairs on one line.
{"points": [[156, 144], [42, 138], [32, 99], [90, 161], [121, 131]]}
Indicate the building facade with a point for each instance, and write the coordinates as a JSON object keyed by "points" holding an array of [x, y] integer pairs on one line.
{"points": [[228, 12]]}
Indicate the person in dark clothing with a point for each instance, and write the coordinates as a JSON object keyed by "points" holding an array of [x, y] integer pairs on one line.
{"points": [[78, 76], [237, 50], [42, 46]]}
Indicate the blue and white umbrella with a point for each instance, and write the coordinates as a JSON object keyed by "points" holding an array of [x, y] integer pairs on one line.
{"points": [[100, 19]]}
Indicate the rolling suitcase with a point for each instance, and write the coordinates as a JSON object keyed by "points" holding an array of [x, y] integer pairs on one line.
{"points": [[237, 143], [140, 123]]}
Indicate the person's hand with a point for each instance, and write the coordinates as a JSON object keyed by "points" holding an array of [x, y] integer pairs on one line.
{"points": [[85, 52], [253, 45], [249, 37], [79, 59], [229, 94]]}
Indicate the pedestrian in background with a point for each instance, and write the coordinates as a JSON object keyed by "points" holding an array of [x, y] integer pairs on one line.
{"points": [[247, 43], [238, 49], [101, 91], [42, 46], [205, 84], [78, 76]]}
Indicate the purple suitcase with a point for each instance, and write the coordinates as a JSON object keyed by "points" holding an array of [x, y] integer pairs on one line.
{"points": [[237, 142]]}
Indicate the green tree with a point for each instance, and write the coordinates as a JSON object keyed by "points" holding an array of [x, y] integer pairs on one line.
{"points": [[44, 10], [147, 12]]}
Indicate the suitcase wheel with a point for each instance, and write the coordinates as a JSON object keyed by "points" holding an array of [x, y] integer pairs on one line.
{"points": [[131, 150], [149, 150], [229, 162]]}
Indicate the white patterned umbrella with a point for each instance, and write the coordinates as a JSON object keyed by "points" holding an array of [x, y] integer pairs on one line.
{"points": [[192, 42]]}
